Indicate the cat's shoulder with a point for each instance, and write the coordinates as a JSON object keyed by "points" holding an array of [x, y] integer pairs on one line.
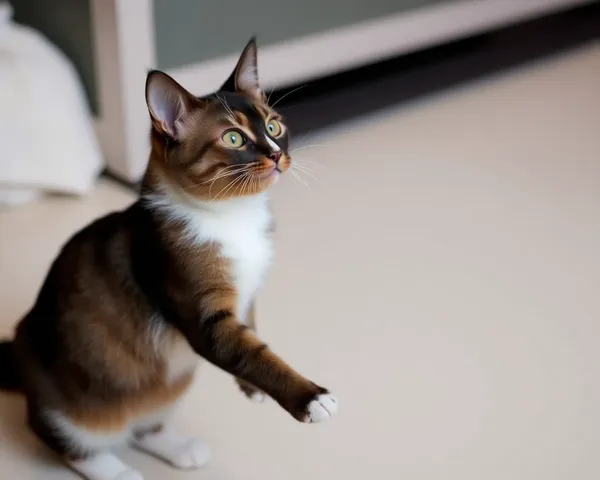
{"points": [[99, 232]]}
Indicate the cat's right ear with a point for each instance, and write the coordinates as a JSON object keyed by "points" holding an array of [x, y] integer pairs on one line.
{"points": [[169, 104], [245, 75]]}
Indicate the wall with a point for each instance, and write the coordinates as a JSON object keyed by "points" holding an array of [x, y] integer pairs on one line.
{"points": [[190, 31]]}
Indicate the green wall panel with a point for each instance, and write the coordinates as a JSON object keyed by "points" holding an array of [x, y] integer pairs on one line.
{"points": [[189, 31]]}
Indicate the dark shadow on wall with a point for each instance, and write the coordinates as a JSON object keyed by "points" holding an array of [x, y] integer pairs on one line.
{"points": [[340, 97], [68, 25]]}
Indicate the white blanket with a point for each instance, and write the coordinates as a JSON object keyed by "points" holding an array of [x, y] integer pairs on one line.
{"points": [[47, 138]]}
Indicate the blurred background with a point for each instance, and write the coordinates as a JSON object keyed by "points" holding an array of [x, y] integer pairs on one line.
{"points": [[438, 264]]}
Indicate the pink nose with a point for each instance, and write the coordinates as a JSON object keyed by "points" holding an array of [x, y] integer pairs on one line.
{"points": [[275, 156]]}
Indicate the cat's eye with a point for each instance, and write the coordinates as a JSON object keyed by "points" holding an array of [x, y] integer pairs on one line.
{"points": [[234, 138], [274, 128]]}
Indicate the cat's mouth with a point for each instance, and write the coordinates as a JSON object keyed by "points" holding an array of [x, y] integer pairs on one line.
{"points": [[268, 173]]}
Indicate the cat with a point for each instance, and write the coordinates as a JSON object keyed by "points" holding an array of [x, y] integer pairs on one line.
{"points": [[136, 298]]}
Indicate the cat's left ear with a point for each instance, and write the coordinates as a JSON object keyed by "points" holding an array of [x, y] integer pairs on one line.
{"points": [[245, 76]]}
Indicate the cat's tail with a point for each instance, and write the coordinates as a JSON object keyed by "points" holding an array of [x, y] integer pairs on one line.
{"points": [[10, 378]]}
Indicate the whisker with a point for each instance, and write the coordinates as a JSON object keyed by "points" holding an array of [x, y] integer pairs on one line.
{"points": [[222, 176], [211, 180], [299, 178], [245, 184], [225, 106], [309, 146], [236, 184], [306, 171], [226, 186], [306, 175], [252, 184], [269, 97], [231, 184], [310, 163], [223, 103], [240, 186], [224, 173], [289, 93]]}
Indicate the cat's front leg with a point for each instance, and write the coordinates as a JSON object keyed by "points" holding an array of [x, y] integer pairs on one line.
{"points": [[234, 347], [253, 393]]}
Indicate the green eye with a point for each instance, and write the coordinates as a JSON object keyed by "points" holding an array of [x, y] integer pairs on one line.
{"points": [[274, 128], [234, 139]]}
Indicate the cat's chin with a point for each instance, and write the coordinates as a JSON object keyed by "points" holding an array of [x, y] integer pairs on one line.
{"points": [[268, 178]]}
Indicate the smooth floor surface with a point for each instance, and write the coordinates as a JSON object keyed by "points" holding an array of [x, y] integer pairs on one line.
{"points": [[441, 277]]}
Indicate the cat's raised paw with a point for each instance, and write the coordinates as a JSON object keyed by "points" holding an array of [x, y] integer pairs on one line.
{"points": [[321, 408]]}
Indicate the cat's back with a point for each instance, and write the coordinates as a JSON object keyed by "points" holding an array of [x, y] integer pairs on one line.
{"points": [[89, 290], [89, 333], [101, 248]]}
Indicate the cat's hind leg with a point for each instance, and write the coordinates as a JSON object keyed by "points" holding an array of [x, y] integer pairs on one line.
{"points": [[86, 451], [103, 466], [162, 442]]}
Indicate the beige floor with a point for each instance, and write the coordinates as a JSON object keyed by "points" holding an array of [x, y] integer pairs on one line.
{"points": [[442, 279]]}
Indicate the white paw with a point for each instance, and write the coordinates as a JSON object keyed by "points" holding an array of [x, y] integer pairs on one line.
{"points": [[177, 450], [104, 466], [258, 397], [321, 408], [129, 475], [194, 454]]}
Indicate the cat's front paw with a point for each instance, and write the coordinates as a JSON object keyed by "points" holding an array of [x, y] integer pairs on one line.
{"points": [[320, 408]]}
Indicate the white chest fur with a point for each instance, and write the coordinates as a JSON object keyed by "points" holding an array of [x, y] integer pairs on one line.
{"points": [[241, 232], [240, 228]]}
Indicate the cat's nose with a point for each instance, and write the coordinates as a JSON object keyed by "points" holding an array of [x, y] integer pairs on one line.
{"points": [[275, 156]]}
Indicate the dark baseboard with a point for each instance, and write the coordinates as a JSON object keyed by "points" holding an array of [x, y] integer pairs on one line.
{"points": [[124, 183], [346, 95]]}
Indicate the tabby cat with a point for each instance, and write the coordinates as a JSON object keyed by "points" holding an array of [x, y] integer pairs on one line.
{"points": [[137, 297]]}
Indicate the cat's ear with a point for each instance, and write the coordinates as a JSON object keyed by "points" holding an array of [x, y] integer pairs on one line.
{"points": [[169, 104], [245, 76]]}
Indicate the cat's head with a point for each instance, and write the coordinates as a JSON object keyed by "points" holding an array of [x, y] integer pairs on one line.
{"points": [[227, 144]]}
